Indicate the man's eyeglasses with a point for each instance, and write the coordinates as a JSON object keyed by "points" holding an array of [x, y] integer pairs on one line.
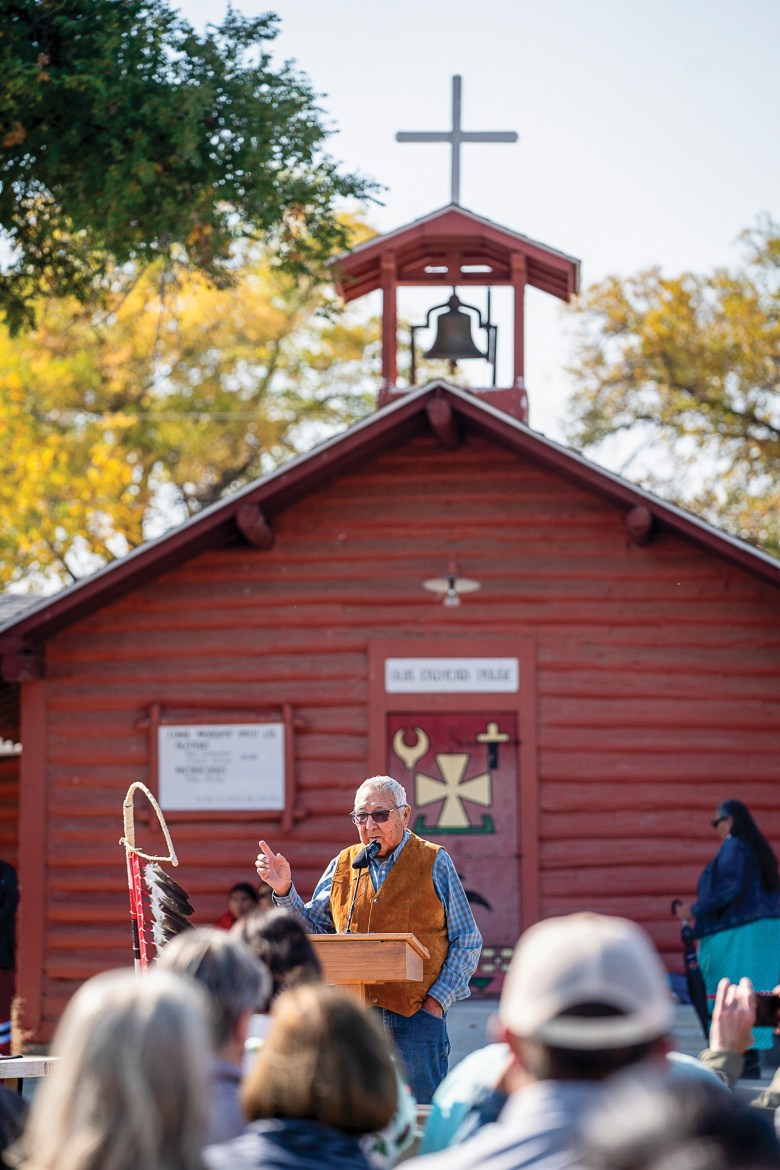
{"points": [[378, 816], [717, 821]]}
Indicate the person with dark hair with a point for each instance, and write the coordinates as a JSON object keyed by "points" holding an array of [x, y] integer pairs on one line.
{"points": [[265, 898], [278, 938], [737, 912], [241, 898], [652, 1123], [323, 1079]]}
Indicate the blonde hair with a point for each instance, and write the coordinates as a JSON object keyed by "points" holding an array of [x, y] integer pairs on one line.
{"points": [[325, 1060], [129, 1088]]}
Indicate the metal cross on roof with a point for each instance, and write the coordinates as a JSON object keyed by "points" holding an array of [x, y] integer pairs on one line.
{"points": [[455, 137]]}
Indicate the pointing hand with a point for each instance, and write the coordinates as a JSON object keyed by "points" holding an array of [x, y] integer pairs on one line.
{"points": [[274, 869]]}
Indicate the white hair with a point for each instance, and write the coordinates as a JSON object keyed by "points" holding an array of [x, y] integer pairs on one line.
{"points": [[387, 784], [129, 1087]]}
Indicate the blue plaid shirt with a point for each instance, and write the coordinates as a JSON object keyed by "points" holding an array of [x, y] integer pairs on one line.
{"points": [[452, 982]]}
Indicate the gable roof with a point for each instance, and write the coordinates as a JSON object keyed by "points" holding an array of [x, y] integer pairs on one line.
{"points": [[454, 234], [12, 604], [438, 406]]}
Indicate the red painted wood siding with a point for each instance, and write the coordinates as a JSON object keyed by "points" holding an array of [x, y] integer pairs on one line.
{"points": [[658, 675], [9, 809]]}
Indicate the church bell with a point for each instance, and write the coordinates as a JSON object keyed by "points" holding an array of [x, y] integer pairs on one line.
{"points": [[453, 340]]}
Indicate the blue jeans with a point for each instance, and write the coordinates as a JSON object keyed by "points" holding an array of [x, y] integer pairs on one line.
{"points": [[423, 1045]]}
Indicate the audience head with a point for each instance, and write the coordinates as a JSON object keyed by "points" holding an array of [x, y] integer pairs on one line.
{"points": [[241, 898], [129, 1087], [325, 1060], [745, 828], [236, 982], [584, 996], [654, 1123], [278, 938], [265, 899]]}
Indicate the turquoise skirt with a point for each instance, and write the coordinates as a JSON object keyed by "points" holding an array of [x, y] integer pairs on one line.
{"points": [[752, 950]]}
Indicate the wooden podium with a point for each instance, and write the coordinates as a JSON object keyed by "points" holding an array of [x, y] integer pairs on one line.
{"points": [[356, 961]]}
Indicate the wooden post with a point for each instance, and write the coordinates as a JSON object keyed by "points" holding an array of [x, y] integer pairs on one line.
{"points": [[32, 854], [519, 280], [389, 329]]}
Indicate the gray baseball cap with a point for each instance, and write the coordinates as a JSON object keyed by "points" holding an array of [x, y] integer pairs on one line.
{"points": [[584, 959]]}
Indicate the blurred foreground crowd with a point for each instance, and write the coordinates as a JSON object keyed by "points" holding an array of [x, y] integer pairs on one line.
{"points": [[231, 1054]]}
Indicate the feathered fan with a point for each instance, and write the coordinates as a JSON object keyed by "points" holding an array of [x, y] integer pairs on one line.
{"points": [[168, 905]]}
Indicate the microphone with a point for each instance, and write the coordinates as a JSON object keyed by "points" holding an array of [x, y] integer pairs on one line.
{"points": [[366, 855], [361, 862]]}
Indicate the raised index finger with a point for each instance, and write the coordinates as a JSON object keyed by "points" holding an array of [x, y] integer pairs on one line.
{"points": [[269, 853]]}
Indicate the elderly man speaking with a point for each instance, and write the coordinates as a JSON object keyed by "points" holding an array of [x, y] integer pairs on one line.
{"points": [[414, 887]]}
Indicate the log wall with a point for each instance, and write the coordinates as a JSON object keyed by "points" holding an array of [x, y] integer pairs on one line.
{"points": [[658, 676]]}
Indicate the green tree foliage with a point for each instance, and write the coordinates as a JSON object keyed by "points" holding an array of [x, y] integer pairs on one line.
{"points": [[687, 370], [121, 420], [126, 136]]}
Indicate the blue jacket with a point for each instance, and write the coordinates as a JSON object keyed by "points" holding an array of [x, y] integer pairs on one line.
{"points": [[731, 892], [287, 1145]]}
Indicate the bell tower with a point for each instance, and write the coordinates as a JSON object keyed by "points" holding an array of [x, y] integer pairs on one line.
{"points": [[454, 249]]}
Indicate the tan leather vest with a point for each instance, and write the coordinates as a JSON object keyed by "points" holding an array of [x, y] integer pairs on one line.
{"points": [[406, 903]]}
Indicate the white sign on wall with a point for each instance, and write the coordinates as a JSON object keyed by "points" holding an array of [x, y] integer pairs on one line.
{"points": [[452, 675], [221, 766]]}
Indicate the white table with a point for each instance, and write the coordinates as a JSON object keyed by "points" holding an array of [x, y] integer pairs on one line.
{"points": [[14, 1070]]}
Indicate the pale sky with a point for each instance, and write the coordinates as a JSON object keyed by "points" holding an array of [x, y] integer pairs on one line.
{"points": [[648, 128]]}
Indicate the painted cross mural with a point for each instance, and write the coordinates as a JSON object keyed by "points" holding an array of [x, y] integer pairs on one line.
{"points": [[453, 816], [461, 776]]}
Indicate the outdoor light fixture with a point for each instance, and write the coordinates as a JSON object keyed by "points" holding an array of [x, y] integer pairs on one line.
{"points": [[451, 587]]}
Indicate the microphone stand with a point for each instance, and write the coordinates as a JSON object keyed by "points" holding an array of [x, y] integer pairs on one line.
{"points": [[361, 862], [354, 898]]}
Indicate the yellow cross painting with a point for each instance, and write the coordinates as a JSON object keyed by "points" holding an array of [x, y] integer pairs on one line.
{"points": [[453, 789]]}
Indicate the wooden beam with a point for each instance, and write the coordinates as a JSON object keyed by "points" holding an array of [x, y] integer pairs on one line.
{"points": [[519, 280], [443, 423], [640, 525], [253, 526], [389, 325], [20, 662]]}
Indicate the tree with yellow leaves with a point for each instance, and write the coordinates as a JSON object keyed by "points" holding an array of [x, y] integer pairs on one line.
{"points": [[687, 370], [121, 420]]}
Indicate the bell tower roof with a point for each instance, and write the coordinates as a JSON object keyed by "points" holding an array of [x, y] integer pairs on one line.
{"points": [[454, 246]]}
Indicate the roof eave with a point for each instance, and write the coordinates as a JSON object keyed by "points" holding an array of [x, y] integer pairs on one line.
{"points": [[406, 415]]}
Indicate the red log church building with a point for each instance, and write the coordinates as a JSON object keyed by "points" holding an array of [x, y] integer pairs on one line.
{"points": [[565, 672]]}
